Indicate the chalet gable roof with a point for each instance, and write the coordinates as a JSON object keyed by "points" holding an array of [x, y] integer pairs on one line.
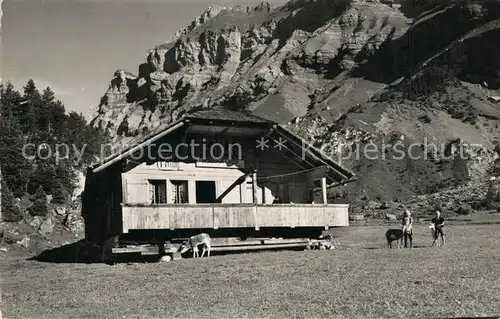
{"points": [[225, 115], [228, 117]]}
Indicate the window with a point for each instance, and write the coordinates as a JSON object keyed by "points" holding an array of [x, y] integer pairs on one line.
{"points": [[180, 192], [158, 191], [205, 192]]}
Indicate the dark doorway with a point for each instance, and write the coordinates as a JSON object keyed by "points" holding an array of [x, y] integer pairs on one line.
{"points": [[205, 192]]}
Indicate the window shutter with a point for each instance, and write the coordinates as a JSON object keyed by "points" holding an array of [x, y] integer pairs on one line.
{"points": [[151, 189], [138, 192]]}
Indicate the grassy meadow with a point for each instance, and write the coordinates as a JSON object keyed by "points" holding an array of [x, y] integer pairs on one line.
{"points": [[360, 278]]}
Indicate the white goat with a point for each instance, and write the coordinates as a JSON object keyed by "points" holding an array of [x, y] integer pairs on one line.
{"points": [[193, 243]]}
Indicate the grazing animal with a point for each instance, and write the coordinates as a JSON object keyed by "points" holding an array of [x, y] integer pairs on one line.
{"points": [[320, 245], [394, 234], [195, 241], [326, 245], [327, 236], [432, 228]]}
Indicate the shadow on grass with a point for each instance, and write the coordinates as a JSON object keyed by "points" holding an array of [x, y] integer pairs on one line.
{"points": [[253, 251], [78, 252], [414, 247], [420, 246], [133, 258], [86, 253]]}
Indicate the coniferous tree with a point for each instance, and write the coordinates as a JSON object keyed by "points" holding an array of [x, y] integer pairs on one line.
{"points": [[39, 207], [10, 211], [37, 118], [44, 110], [9, 100], [44, 175], [58, 119], [30, 88], [15, 165], [28, 107], [60, 194]]}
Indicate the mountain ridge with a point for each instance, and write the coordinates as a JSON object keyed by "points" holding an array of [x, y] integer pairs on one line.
{"points": [[338, 73]]}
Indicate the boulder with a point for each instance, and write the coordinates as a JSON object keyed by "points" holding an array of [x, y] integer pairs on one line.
{"points": [[391, 217], [60, 210], [11, 236], [165, 259], [77, 226], [357, 217], [36, 222], [47, 227], [464, 210], [383, 205], [371, 204], [24, 242]]}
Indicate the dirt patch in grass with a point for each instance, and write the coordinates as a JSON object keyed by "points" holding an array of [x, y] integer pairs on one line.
{"points": [[361, 278]]}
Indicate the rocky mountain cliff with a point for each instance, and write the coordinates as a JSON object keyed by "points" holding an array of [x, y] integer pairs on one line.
{"points": [[342, 74]]}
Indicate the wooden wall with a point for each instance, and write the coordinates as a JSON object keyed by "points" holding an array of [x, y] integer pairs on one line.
{"points": [[137, 185], [233, 216], [287, 186], [101, 204], [267, 163], [1, 217]]}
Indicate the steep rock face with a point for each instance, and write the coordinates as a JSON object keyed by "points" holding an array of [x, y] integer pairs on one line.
{"points": [[237, 56], [341, 74]]}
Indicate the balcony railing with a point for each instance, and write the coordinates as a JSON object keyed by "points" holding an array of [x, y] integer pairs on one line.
{"points": [[190, 216]]}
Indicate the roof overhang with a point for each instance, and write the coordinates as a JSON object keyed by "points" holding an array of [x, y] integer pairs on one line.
{"points": [[297, 149], [128, 151], [294, 143], [190, 126], [220, 129]]}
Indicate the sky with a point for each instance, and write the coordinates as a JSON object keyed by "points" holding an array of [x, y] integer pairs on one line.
{"points": [[75, 46]]}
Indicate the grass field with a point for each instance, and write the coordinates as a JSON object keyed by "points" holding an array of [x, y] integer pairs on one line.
{"points": [[361, 278]]}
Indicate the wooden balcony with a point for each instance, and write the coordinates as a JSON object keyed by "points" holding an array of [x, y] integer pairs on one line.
{"points": [[215, 216]]}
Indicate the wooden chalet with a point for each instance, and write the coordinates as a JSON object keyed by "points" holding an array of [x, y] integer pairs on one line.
{"points": [[163, 187]]}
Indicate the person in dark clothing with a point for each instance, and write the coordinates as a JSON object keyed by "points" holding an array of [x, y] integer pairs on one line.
{"points": [[438, 222]]}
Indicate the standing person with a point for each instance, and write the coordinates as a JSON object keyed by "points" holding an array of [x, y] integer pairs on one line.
{"points": [[438, 222], [407, 223]]}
